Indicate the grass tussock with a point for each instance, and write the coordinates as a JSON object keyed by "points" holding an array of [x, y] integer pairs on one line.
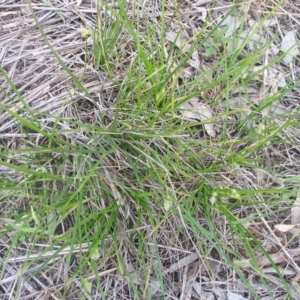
{"points": [[149, 150]]}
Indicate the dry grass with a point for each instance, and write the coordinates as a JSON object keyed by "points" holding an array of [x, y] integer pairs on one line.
{"points": [[107, 192]]}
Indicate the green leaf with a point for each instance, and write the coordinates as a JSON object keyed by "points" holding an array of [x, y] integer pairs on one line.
{"points": [[42, 175]]}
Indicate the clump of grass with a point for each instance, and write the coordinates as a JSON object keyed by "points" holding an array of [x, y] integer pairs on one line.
{"points": [[130, 189]]}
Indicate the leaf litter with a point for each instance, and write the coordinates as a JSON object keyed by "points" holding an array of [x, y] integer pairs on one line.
{"points": [[289, 46], [194, 109]]}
